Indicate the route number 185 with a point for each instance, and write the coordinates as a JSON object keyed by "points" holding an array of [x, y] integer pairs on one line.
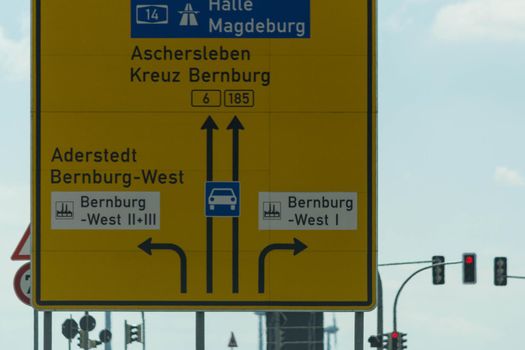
{"points": [[239, 98]]}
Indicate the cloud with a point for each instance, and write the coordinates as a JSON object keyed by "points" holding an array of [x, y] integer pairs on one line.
{"points": [[509, 177], [480, 20], [402, 15], [14, 56]]}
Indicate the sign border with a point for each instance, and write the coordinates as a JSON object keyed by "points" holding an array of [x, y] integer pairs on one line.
{"points": [[371, 198]]}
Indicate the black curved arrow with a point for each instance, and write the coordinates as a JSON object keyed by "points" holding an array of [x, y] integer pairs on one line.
{"points": [[297, 246], [235, 125], [209, 125], [147, 246]]}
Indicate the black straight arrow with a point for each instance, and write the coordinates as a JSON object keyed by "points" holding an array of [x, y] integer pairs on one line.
{"points": [[209, 125], [147, 246], [235, 125], [297, 246]]}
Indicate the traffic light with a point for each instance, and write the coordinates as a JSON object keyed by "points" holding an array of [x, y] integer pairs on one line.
{"points": [[87, 323], [469, 268], [386, 340], [84, 342], [69, 328], [132, 333], [500, 271], [105, 336], [376, 340], [401, 343], [438, 272], [394, 341]]}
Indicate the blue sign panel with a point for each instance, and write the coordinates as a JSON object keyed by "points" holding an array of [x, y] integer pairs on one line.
{"points": [[220, 19], [223, 199]]}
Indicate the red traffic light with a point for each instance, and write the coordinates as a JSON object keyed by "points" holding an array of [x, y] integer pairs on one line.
{"points": [[469, 268], [395, 335]]}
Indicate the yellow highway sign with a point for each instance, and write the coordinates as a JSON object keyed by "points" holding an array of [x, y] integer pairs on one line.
{"points": [[204, 155]]}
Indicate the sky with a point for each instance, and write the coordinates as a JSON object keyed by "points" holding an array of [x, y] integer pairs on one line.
{"points": [[451, 179]]}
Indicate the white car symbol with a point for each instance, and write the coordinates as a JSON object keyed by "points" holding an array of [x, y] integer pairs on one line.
{"points": [[222, 196]]}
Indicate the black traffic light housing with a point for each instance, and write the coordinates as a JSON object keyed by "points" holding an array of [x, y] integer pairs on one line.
{"points": [[132, 333], [70, 328], [438, 271], [401, 343], [469, 268], [500, 271], [394, 341], [376, 341]]}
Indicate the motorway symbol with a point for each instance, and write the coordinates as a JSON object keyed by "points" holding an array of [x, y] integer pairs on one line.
{"points": [[297, 246], [23, 249], [188, 17], [147, 246], [22, 283]]}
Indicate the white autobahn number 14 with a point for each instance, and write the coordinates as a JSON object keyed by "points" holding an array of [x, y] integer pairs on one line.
{"points": [[152, 14]]}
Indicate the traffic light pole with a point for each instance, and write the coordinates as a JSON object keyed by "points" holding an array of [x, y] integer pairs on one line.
{"points": [[70, 340], [86, 345], [107, 314], [409, 278], [143, 331], [380, 294], [379, 308]]}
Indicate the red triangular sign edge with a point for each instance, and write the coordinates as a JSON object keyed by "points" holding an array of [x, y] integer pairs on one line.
{"points": [[233, 342], [17, 254]]}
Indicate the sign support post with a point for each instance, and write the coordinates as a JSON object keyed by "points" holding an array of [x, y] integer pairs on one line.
{"points": [[199, 341], [48, 330], [359, 330], [35, 329]]}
